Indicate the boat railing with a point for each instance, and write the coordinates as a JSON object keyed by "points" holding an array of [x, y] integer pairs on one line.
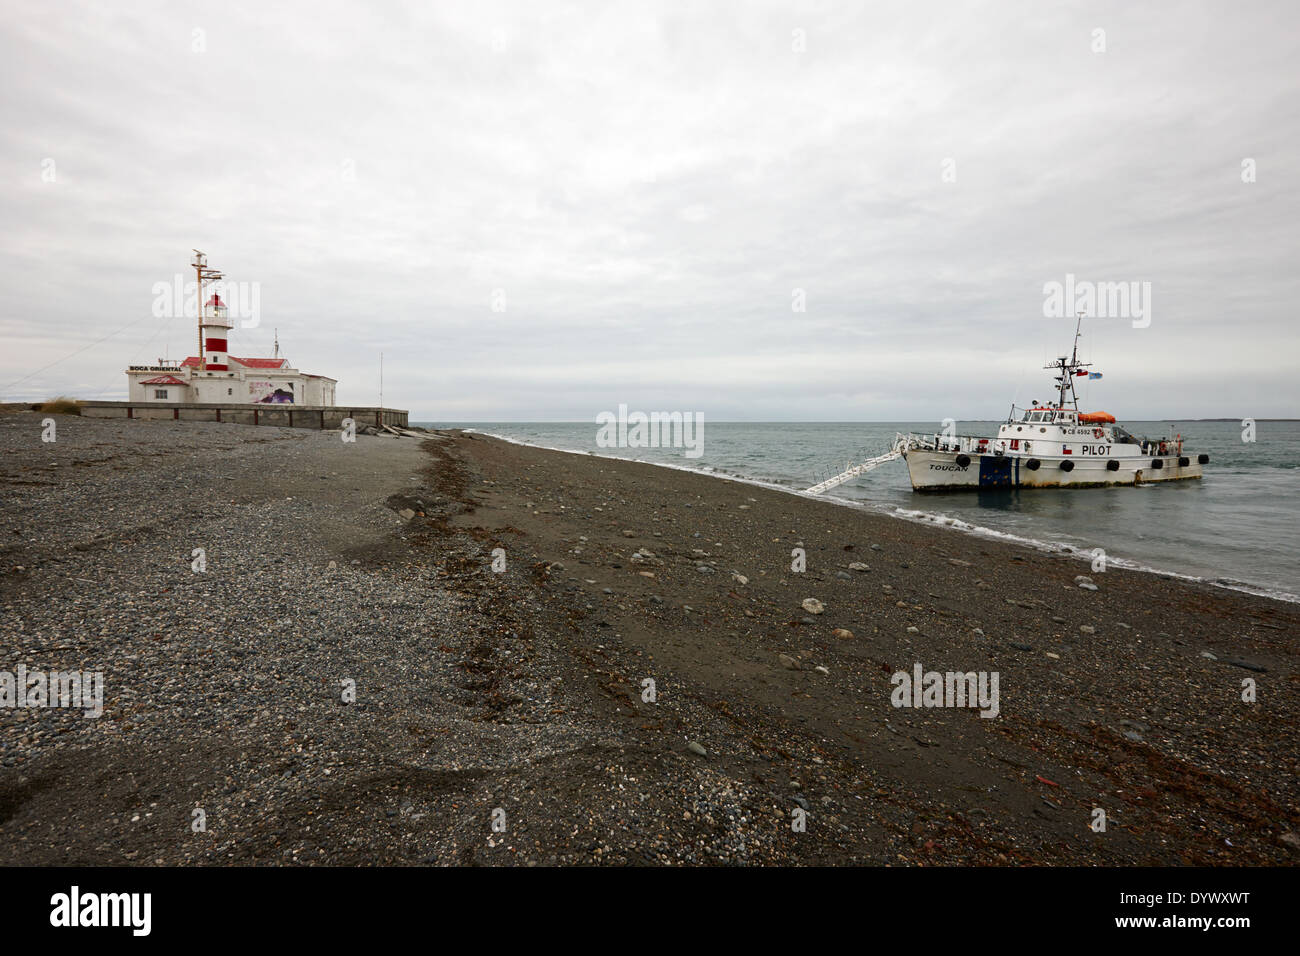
{"points": [[944, 442]]}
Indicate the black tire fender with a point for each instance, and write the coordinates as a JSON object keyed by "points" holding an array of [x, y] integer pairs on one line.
{"points": [[1112, 465], [963, 460], [1033, 464], [1157, 463], [1067, 465]]}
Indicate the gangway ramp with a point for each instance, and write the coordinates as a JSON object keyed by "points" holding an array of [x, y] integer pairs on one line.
{"points": [[851, 473]]}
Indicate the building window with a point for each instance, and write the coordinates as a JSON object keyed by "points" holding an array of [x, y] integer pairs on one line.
{"points": [[160, 393]]}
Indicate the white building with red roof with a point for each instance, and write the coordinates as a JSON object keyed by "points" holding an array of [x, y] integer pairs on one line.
{"points": [[219, 378], [238, 381]]}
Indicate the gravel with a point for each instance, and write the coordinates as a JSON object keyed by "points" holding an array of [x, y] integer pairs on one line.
{"points": [[518, 695]]}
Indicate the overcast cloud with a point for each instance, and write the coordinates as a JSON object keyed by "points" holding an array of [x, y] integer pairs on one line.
{"points": [[647, 185]]}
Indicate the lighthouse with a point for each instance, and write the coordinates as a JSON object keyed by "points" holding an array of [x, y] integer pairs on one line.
{"points": [[214, 325], [214, 376]]}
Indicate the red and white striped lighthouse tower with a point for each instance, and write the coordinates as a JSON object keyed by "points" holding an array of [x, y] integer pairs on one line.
{"points": [[214, 325]]}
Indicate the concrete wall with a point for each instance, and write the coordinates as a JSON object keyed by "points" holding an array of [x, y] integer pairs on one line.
{"points": [[285, 416]]}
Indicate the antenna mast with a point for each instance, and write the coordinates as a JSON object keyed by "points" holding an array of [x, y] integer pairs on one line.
{"points": [[202, 274], [1066, 369]]}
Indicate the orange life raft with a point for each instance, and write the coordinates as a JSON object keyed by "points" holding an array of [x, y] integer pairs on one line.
{"points": [[1096, 418]]}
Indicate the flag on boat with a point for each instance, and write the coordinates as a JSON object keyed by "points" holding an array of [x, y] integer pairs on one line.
{"points": [[1094, 375], [1081, 372]]}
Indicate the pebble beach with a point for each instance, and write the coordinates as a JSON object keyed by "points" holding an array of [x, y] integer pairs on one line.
{"points": [[450, 650]]}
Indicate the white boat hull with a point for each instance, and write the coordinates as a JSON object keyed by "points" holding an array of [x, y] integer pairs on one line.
{"points": [[942, 471]]}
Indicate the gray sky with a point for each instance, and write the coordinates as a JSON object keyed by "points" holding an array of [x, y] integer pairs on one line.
{"points": [[648, 184]]}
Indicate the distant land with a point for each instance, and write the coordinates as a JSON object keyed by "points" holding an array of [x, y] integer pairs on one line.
{"points": [[36, 406]]}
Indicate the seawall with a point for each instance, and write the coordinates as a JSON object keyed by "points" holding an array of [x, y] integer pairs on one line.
{"points": [[284, 416]]}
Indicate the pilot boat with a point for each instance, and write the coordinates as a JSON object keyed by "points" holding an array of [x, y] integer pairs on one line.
{"points": [[1051, 445]]}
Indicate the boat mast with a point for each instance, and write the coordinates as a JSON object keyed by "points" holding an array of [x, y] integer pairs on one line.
{"points": [[1067, 368]]}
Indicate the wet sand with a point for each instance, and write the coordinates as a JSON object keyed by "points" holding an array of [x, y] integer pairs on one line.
{"points": [[1107, 697]]}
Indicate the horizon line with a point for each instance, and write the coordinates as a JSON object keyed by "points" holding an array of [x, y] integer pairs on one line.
{"points": [[812, 421]]}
